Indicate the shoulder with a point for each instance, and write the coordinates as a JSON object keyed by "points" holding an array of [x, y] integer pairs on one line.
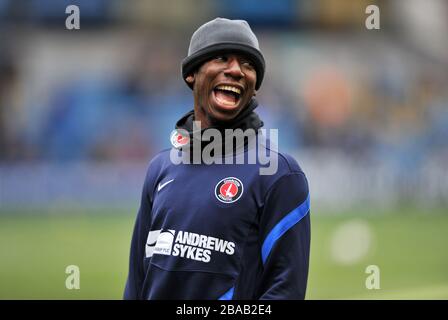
{"points": [[160, 159], [289, 171], [285, 163], [285, 174], [156, 165], [288, 164]]}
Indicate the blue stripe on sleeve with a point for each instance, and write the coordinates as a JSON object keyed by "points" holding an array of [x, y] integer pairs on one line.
{"points": [[284, 225], [228, 295]]}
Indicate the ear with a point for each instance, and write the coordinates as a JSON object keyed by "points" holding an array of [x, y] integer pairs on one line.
{"points": [[255, 93], [190, 79]]}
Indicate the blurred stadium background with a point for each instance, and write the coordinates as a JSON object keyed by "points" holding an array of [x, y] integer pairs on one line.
{"points": [[364, 112]]}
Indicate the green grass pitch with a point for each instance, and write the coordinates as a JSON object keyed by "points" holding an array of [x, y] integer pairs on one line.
{"points": [[410, 248]]}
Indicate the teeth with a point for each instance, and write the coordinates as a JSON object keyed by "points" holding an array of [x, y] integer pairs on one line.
{"points": [[227, 103], [229, 88]]}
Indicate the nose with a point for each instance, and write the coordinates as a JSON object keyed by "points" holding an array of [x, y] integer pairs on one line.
{"points": [[234, 69]]}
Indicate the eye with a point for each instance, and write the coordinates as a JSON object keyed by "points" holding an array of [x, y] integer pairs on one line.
{"points": [[247, 63], [221, 58]]}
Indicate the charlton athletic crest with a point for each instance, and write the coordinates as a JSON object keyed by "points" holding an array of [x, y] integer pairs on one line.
{"points": [[229, 190], [178, 140]]}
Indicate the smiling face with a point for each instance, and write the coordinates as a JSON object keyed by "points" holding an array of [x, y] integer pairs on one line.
{"points": [[223, 86]]}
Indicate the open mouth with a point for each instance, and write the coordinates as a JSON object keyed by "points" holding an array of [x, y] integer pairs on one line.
{"points": [[227, 95]]}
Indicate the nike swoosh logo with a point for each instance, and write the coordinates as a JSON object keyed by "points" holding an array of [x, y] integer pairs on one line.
{"points": [[161, 186]]}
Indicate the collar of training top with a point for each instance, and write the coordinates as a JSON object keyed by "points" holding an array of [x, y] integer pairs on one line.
{"points": [[248, 119]]}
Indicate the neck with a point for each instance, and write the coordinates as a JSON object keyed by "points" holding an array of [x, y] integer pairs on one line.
{"points": [[200, 115]]}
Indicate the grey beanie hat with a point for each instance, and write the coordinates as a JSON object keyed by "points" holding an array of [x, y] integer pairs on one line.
{"points": [[220, 36]]}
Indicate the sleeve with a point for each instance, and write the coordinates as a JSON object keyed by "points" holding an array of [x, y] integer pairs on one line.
{"points": [[136, 273], [285, 235]]}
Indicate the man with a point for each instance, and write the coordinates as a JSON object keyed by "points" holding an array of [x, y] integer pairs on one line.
{"points": [[214, 230]]}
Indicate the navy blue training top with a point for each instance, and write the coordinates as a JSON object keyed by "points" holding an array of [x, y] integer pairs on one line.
{"points": [[217, 231]]}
